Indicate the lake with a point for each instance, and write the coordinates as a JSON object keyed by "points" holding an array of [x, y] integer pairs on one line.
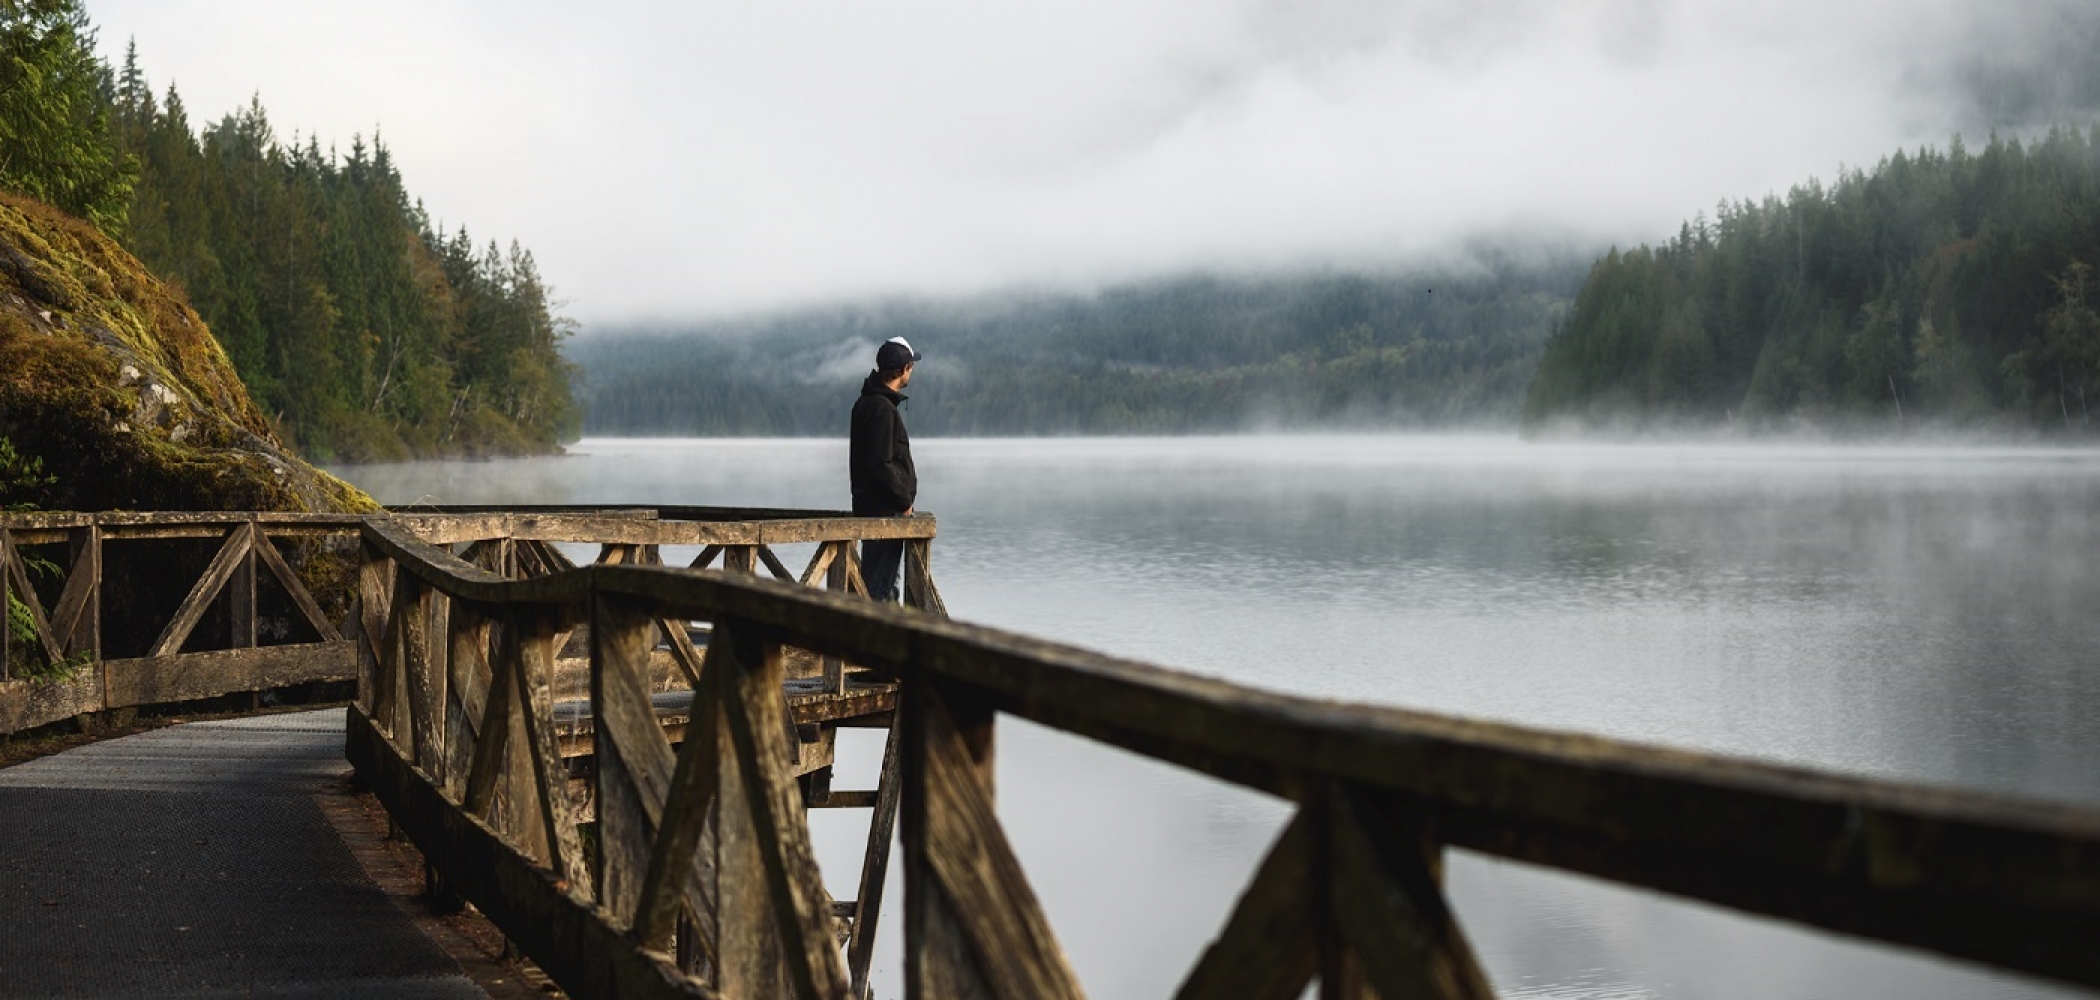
{"points": [[1919, 613]]}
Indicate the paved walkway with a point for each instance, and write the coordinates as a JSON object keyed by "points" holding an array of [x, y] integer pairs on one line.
{"points": [[194, 861]]}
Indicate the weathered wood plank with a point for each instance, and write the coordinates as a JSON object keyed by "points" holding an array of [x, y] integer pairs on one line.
{"points": [[630, 773], [535, 666], [747, 939], [739, 559], [159, 680], [295, 589], [919, 590], [774, 565], [689, 658], [939, 959], [967, 853], [375, 589], [748, 679], [875, 863], [72, 618], [241, 594], [557, 926], [492, 751], [7, 586], [632, 531], [1266, 950], [681, 838], [392, 705], [833, 561], [1972, 875], [18, 576], [221, 569], [27, 704], [819, 564], [426, 676], [1390, 910]]}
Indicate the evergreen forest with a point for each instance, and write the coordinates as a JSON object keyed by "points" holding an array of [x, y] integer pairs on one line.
{"points": [[1186, 355], [1946, 289], [365, 330]]}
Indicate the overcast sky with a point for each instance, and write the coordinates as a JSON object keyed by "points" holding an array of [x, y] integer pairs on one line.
{"points": [[674, 159]]}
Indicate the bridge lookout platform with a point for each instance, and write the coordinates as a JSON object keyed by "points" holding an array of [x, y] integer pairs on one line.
{"points": [[605, 730]]}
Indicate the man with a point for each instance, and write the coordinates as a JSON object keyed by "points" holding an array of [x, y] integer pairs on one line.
{"points": [[884, 482]]}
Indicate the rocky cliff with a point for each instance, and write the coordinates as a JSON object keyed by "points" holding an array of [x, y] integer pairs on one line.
{"points": [[111, 379]]}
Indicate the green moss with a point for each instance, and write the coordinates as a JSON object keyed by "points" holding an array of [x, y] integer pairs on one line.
{"points": [[114, 381]]}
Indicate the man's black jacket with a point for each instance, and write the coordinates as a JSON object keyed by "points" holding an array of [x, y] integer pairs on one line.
{"points": [[884, 481]]}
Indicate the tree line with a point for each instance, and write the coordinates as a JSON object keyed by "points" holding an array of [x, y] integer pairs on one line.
{"points": [[1184, 355], [1945, 287], [364, 329]]}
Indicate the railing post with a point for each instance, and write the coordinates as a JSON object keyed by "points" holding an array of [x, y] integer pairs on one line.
{"points": [[86, 633], [919, 591], [375, 582], [634, 761], [240, 596], [7, 608]]}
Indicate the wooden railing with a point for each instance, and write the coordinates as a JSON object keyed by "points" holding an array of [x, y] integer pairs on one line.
{"points": [[697, 879], [504, 744], [102, 629], [97, 640]]}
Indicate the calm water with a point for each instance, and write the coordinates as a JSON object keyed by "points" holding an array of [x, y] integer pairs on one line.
{"points": [[1925, 614]]}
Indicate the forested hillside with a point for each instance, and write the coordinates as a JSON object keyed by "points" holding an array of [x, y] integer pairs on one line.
{"points": [[360, 328], [1950, 288], [1165, 357]]}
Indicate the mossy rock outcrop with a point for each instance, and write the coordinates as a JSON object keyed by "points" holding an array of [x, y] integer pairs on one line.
{"points": [[113, 381]]}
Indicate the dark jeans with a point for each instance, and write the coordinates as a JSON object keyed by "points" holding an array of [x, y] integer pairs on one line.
{"points": [[880, 559]]}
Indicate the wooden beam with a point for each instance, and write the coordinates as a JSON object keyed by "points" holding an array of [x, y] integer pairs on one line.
{"points": [[748, 680], [1971, 875], [468, 681], [1266, 950], [161, 680], [1389, 908], [774, 565], [241, 595], [919, 591], [492, 740], [560, 928], [819, 563], [18, 577], [426, 678], [874, 865], [535, 666], [27, 704], [273, 560], [222, 567], [689, 658], [966, 853], [375, 588], [633, 761], [73, 619], [680, 838]]}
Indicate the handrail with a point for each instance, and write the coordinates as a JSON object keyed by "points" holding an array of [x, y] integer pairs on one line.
{"points": [[213, 643], [184, 654], [1350, 892]]}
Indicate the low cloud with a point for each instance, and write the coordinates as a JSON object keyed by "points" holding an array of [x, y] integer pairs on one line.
{"points": [[674, 160]]}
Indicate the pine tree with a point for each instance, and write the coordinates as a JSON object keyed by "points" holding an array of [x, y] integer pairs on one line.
{"points": [[56, 143]]}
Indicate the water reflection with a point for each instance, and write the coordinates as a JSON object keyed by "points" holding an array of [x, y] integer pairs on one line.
{"points": [[1926, 614]]}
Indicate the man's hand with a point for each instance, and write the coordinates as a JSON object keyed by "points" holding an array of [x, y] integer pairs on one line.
{"points": [[907, 511]]}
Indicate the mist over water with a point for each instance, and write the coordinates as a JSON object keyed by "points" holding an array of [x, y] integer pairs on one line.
{"points": [[1918, 613]]}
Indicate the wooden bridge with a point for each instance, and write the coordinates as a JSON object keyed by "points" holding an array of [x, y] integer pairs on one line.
{"points": [[614, 762]]}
